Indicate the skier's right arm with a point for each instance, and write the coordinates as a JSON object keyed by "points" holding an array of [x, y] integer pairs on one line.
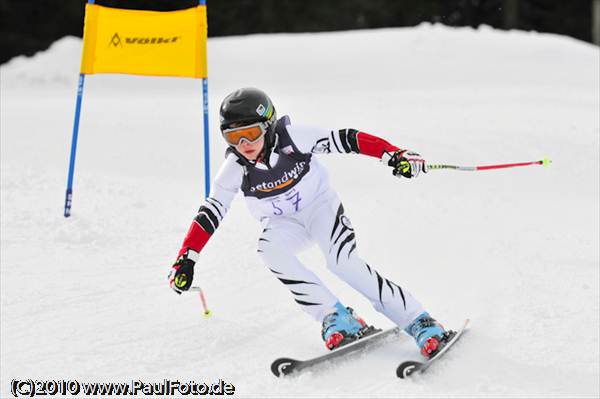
{"points": [[206, 222]]}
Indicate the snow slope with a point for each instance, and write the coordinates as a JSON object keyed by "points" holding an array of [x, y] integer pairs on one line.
{"points": [[515, 250]]}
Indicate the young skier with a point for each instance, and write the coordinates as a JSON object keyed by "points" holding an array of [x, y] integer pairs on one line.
{"points": [[271, 161]]}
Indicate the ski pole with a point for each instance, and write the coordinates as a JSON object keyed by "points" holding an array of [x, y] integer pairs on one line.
{"points": [[207, 312], [544, 162]]}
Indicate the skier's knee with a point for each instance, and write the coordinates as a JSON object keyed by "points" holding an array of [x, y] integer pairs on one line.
{"points": [[267, 247]]}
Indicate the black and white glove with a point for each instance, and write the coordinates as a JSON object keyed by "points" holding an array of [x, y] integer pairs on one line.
{"points": [[405, 163], [182, 274]]}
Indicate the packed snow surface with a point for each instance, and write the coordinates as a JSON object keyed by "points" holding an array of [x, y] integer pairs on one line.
{"points": [[515, 250]]}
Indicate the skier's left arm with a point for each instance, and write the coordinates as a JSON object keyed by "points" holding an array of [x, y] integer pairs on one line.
{"points": [[404, 162], [211, 213]]}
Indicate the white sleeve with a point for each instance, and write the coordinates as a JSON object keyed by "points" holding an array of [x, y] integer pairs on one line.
{"points": [[224, 188], [227, 181], [319, 140]]}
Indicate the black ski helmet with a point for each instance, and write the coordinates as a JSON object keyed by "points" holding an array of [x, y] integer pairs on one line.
{"points": [[247, 106]]}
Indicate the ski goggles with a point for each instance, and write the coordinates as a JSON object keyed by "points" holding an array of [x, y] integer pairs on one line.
{"points": [[250, 133]]}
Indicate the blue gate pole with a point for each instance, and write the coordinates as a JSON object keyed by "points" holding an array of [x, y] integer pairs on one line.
{"points": [[206, 135], [206, 138], [69, 194]]}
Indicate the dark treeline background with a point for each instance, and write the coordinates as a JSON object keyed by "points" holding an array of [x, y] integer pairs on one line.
{"points": [[28, 26]]}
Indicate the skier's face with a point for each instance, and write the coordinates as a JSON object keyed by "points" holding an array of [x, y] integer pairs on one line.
{"points": [[250, 151]]}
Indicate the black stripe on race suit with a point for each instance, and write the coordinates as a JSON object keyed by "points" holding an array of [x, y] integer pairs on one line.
{"points": [[348, 140], [352, 249], [343, 244], [207, 219], [342, 231], [380, 285], [216, 200], [298, 293], [288, 282], [380, 281], [389, 284], [335, 144], [338, 216], [211, 215], [353, 140], [344, 141], [307, 303], [401, 294], [211, 203]]}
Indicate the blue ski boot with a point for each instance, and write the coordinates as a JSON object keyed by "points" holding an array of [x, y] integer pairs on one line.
{"points": [[428, 333], [341, 327]]}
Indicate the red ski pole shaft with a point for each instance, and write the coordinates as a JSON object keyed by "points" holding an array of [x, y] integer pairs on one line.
{"points": [[207, 312], [543, 162]]}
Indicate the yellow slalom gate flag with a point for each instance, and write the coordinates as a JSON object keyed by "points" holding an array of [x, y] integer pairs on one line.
{"points": [[157, 43]]}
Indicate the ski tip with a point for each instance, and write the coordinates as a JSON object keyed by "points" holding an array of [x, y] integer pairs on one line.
{"points": [[546, 162], [406, 369], [283, 366]]}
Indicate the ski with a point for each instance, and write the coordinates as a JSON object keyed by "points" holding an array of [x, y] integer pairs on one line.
{"points": [[285, 366], [407, 368]]}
